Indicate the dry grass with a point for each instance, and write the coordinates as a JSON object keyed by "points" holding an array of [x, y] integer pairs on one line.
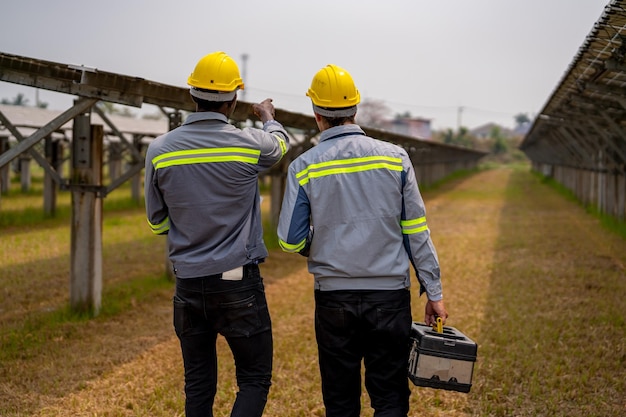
{"points": [[533, 279]]}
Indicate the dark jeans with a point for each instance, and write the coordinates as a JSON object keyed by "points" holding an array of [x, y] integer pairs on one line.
{"points": [[372, 326], [204, 307]]}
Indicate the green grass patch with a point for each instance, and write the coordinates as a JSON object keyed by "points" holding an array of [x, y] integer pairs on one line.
{"points": [[31, 336], [17, 209], [454, 177], [609, 222], [270, 235]]}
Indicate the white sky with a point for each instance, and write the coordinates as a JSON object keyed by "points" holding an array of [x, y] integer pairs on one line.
{"points": [[492, 58]]}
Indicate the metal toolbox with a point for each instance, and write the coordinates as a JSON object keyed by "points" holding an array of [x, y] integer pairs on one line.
{"points": [[441, 360]]}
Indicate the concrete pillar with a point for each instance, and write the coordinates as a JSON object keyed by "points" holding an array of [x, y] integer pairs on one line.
{"points": [[86, 245], [5, 171], [136, 180], [115, 159], [54, 155], [277, 187], [25, 174]]}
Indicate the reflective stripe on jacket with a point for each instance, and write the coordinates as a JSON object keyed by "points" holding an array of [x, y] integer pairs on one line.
{"points": [[201, 189], [352, 202]]}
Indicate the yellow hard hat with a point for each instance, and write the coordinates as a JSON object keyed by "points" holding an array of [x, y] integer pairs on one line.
{"points": [[216, 71], [333, 87]]}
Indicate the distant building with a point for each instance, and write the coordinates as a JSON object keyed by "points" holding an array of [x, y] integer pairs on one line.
{"points": [[409, 126], [484, 131]]}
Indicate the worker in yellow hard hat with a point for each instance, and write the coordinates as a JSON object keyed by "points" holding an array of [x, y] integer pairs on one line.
{"points": [[353, 207], [202, 191]]}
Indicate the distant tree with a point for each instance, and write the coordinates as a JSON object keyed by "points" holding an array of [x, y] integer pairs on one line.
{"points": [[153, 116], [111, 108], [460, 138], [107, 107], [125, 112], [18, 100], [499, 143], [448, 136], [464, 138], [405, 115], [521, 119], [372, 113]]}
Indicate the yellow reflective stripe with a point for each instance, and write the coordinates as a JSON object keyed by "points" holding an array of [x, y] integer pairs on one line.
{"points": [[206, 155], [282, 144], [160, 228], [346, 166], [412, 226], [292, 248]]}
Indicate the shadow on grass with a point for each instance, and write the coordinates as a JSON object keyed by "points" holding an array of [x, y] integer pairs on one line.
{"points": [[553, 338]]}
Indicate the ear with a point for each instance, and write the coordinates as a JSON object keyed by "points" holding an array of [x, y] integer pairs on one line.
{"points": [[229, 106]]}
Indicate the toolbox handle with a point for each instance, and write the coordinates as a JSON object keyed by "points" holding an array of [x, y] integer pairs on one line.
{"points": [[438, 326], [446, 333]]}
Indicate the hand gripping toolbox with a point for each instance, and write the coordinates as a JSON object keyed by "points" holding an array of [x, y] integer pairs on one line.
{"points": [[441, 360]]}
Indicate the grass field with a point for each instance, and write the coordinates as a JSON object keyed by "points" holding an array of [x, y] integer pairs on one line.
{"points": [[537, 282]]}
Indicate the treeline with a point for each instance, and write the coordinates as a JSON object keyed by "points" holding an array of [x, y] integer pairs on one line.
{"points": [[502, 146]]}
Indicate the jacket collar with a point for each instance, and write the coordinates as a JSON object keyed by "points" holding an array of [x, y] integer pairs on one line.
{"points": [[205, 115], [343, 130]]}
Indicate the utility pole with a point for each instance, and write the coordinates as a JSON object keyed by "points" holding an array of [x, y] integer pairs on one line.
{"points": [[458, 117], [244, 70]]}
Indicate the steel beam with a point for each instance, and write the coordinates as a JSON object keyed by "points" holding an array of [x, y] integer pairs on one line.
{"points": [[56, 123]]}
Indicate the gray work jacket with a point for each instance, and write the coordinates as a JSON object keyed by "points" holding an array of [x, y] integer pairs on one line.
{"points": [[353, 205], [201, 189]]}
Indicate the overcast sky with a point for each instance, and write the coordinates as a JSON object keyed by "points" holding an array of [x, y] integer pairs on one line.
{"points": [[473, 61]]}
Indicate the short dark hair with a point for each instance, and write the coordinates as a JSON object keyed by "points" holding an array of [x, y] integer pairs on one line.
{"points": [[206, 105], [338, 121]]}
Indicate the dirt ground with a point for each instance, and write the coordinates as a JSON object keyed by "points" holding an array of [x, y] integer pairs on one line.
{"points": [[491, 230]]}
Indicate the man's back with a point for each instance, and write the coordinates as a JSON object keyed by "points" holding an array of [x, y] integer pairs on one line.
{"points": [[354, 185], [206, 172]]}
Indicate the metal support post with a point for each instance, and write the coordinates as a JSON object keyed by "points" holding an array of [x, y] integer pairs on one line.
{"points": [[86, 245]]}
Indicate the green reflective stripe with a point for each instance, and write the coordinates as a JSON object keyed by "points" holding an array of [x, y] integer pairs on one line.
{"points": [[206, 155], [292, 248], [283, 145], [160, 228], [346, 166], [413, 226]]}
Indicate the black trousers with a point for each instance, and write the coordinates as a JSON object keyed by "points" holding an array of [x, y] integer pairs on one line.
{"points": [[368, 326], [206, 307]]}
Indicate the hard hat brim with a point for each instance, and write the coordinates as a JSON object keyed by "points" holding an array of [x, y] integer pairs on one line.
{"points": [[212, 96], [330, 112]]}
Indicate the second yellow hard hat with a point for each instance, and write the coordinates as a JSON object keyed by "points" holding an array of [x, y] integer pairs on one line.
{"points": [[333, 87]]}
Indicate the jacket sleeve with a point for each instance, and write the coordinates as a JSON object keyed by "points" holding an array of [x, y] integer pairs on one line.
{"points": [[273, 141], [416, 237], [294, 224], [156, 210]]}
